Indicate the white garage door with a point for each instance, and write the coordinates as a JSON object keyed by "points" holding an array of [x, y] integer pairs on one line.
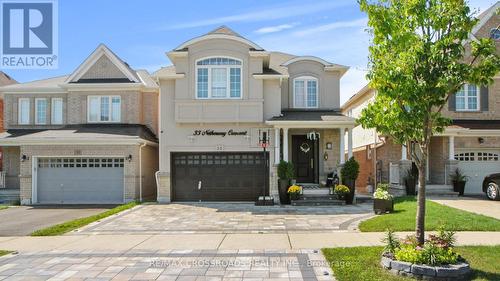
{"points": [[80, 180], [476, 165]]}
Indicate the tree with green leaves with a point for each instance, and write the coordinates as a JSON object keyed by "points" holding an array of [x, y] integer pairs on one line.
{"points": [[421, 53]]}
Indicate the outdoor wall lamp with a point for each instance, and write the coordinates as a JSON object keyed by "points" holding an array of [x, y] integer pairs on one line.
{"points": [[480, 140], [24, 158], [129, 157]]}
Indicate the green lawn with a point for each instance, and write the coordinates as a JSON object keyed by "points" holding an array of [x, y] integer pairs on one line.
{"points": [[3, 207], [362, 263], [3, 253], [62, 228], [403, 218]]}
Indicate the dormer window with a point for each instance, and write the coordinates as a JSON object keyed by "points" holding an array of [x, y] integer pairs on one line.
{"points": [[218, 78], [305, 92]]}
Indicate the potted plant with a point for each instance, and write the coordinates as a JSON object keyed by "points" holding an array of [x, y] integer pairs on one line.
{"points": [[410, 182], [382, 200], [294, 192], [349, 174], [459, 180], [341, 191], [285, 174]]}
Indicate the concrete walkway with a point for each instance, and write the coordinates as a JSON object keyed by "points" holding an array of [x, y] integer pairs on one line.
{"points": [[236, 241], [480, 206]]}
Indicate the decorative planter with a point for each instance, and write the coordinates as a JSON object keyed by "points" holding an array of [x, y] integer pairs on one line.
{"points": [[459, 186], [382, 206], [459, 271], [410, 185], [294, 196], [282, 189], [352, 187]]}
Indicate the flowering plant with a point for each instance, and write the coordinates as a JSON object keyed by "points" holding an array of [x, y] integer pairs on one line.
{"points": [[382, 194], [341, 189], [294, 189]]}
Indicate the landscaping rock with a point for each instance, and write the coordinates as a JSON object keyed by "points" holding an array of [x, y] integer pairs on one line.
{"points": [[463, 268], [419, 269], [446, 271], [386, 262], [401, 266]]}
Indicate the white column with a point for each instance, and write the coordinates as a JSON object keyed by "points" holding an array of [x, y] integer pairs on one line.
{"points": [[349, 143], [404, 153], [451, 147], [276, 146], [285, 144], [342, 145]]}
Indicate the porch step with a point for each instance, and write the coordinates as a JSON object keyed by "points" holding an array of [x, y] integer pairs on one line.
{"points": [[317, 200], [9, 195], [440, 190], [315, 190]]}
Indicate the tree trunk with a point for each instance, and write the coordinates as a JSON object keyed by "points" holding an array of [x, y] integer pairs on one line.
{"points": [[420, 222]]}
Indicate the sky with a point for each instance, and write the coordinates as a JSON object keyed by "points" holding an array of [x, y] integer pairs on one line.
{"points": [[140, 32]]}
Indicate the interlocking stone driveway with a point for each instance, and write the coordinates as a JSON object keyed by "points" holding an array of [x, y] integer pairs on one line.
{"points": [[230, 218], [213, 265]]}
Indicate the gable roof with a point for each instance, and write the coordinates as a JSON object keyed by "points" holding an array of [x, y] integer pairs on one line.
{"points": [[103, 50], [222, 32], [484, 17], [361, 94], [5, 79]]}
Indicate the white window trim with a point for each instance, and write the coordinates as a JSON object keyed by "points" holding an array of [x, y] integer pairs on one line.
{"points": [[466, 100], [52, 114], [110, 108], [19, 112], [305, 79], [228, 82], [37, 122]]}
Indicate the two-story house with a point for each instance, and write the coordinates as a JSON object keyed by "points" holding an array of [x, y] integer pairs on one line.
{"points": [[471, 143], [88, 137], [223, 96], [4, 80]]}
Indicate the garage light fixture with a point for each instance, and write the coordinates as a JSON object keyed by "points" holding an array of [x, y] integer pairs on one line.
{"points": [[129, 157], [24, 158], [480, 140]]}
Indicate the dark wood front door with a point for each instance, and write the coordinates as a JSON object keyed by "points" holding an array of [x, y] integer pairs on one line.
{"points": [[303, 159], [219, 176]]}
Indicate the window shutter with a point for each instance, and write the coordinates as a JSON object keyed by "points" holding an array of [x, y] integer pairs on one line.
{"points": [[484, 98], [452, 102]]}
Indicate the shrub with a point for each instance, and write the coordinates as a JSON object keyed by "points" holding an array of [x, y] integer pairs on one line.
{"points": [[383, 186], [350, 170], [285, 170]]}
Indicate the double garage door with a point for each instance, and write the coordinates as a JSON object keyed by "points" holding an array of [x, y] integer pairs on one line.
{"points": [[477, 165], [227, 176], [80, 180]]}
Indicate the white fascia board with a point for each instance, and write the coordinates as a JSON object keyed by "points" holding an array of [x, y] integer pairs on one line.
{"points": [[35, 91], [312, 124], [171, 76], [103, 86], [464, 132], [269, 76], [16, 142]]}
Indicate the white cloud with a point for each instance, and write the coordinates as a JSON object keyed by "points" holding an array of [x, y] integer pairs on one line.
{"points": [[276, 28], [272, 13], [332, 26]]}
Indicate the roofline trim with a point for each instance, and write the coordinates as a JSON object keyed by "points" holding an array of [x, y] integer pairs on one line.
{"points": [[470, 132], [357, 96], [486, 18], [312, 124], [62, 141], [218, 36], [269, 76]]}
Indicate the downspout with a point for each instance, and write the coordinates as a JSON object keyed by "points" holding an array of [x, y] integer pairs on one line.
{"points": [[140, 171]]}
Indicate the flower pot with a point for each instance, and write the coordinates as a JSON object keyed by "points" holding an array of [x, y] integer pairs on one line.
{"points": [[352, 187], [282, 189], [381, 206], [459, 186]]}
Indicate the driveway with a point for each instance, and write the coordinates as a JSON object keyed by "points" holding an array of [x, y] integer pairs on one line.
{"points": [[22, 220], [230, 218], [480, 206]]}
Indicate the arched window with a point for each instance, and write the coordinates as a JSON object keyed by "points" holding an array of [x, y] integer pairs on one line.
{"points": [[495, 34], [218, 78], [305, 92]]}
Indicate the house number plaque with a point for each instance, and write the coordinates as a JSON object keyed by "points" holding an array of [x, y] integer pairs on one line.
{"points": [[209, 132]]}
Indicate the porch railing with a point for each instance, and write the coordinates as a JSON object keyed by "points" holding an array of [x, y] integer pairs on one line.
{"points": [[2, 179], [394, 173]]}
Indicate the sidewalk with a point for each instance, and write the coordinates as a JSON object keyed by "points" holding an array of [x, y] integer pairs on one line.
{"points": [[290, 241]]}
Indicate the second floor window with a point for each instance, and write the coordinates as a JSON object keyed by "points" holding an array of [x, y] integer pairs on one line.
{"points": [[495, 34], [467, 99], [305, 92], [24, 111], [218, 78], [104, 109], [57, 111], [40, 111]]}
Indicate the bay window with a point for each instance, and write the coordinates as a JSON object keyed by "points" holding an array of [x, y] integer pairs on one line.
{"points": [[104, 109], [23, 111], [218, 78], [40, 111], [467, 98], [305, 92]]}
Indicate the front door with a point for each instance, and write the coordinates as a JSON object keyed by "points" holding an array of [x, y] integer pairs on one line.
{"points": [[303, 158]]}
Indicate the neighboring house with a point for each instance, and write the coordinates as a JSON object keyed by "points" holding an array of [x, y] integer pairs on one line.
{"points": [[471, 143], [88, 137], [4, 80], [222, 95]]}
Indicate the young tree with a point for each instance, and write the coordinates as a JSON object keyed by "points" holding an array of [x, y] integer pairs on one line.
{"points": [[421, 53]]}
